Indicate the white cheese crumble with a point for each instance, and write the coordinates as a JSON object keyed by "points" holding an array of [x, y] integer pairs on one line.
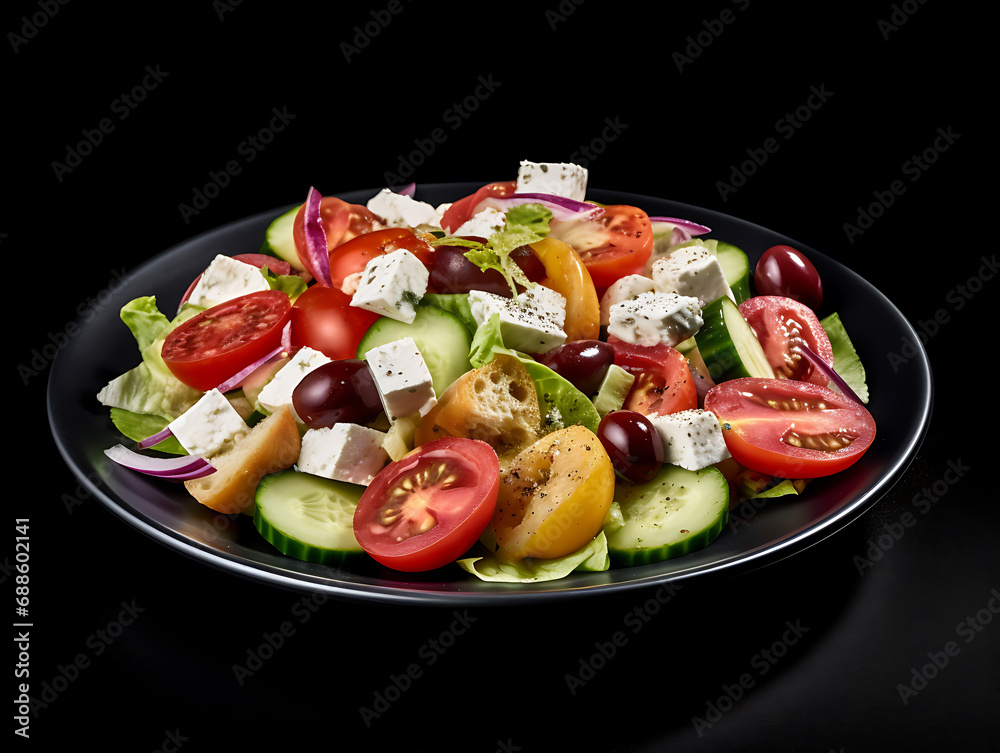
{"points": [[692, 271], [278, 391], [691, 439], [653, 318], [403, 380], [343, 452], [208, 427], [400, 210], [533, 322], [559, 178], [226, 278], [391, 285]]}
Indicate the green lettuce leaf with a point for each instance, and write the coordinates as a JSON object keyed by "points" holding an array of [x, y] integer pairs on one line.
{"points": [[494, 567], [845, 358], [150, 388], [292, 285], [138, 426]]}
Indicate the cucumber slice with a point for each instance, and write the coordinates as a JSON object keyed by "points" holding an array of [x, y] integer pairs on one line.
{"points": [[279, 241], [736, 268], [613, 390], [676, 513], [308, 517], [441, 337], [728, 345]]}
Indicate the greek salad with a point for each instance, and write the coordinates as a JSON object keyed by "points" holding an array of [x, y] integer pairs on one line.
{"points": [[522, 383]]}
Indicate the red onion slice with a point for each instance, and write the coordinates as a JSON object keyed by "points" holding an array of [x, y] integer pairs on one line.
{"points": [[561, 207], [692, 228], [820, 365], [317, 259], [237, 379], [155, 439], [408, 190], [176, 468]]}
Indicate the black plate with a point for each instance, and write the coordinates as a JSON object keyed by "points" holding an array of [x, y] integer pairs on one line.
{"points": [[901, 403]]}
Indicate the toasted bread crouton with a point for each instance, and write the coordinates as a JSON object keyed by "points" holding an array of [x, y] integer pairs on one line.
{"points": [[272, 445]]}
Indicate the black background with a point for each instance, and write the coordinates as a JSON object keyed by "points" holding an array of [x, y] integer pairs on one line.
{"points": [[367, 86]]}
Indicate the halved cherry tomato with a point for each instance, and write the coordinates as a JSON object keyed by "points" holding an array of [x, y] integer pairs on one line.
{"points": [[615, 243], [428, 508], [790, 429], [341, 222], [213, 345], [462, 210], [324, 320], [780, 325], [350, 257], [565, 273], [555, 496], [663, 382]]}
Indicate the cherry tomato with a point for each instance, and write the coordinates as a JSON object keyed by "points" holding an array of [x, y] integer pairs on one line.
{"points": [[566, 274], [615, 243], [555, 496], [463, 210], [324, 320], [428, 508], [341, 221], [351, 256], [785, 271], [213, 345], [780, 325], [790, 429], [663, 382]]}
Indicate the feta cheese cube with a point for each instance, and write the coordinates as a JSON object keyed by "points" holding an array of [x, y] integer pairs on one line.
{"points": [[559, 178], [532, 322], [400, 210], [482, 224], [692, 271], [391, 284], [278, 391], [403, 380], [208, 427], [653, 318], [691, 439], [224, 279], [343, 452], [626, 288]]}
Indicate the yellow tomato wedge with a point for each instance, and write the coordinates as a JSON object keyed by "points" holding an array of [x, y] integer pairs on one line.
{"points": [[555, 496], [566, 273]]}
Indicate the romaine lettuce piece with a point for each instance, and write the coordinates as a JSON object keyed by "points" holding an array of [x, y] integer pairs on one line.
{"points": [[493, 567]]}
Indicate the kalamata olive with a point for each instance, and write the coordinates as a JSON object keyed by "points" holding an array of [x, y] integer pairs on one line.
{"points": [[633, 444], [581, 362], [785, 271], [339, 391]]}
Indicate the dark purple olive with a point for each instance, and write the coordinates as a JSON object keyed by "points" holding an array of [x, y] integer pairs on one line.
{"points": [[584, 363], [633, 445], [339, 391], [785, 271], [454, 273]]}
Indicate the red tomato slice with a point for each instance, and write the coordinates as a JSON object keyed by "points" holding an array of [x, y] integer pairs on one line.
{"points": [[780, 325], [211, 346], [462, 210], [615, 243], [790, 429], [428, 508], [350, 257], [324, 320], [341, 222], [663, 382]]}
